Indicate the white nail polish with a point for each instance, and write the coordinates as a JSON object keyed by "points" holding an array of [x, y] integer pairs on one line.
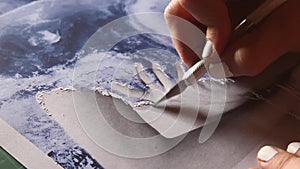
{"points": [[219, 70], [293, 147], [266, 153], [207, 50]]}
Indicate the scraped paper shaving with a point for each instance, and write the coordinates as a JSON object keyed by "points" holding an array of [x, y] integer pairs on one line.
{"points": [[40, 96], [131, 102]]}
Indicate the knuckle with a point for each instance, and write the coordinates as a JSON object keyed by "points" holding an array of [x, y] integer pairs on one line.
{"points": [[170, 8], [286, 161], [247, 62], [190, 3], [184, 2]]}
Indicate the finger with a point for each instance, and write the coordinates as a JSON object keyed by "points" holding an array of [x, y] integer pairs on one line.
{"points": [[214, 15], [173, 12], [164, 79], [174, 8], [275, 158], [179, 71], [294, 148], [144, 76], [274, 37]]}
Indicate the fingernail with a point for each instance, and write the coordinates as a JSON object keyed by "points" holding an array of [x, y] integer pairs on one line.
{"points": [[266, 153], [207, 50], [293, 147], [219, 70]]}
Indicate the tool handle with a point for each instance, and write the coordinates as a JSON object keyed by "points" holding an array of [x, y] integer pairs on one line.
{"points": [[256, 17], [195, 72], [264, 10]]}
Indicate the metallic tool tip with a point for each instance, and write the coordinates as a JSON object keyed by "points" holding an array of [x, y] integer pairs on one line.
{"points": [[175, 90]]}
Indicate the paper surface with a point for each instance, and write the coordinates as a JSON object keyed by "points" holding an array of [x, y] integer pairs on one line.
{"points": [[23, 150], [32, 62], [89, 117], [202, 103], [234, 144]]}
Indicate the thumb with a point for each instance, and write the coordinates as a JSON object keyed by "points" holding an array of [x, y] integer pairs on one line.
{"points": [[214, 15], [274, 158]]}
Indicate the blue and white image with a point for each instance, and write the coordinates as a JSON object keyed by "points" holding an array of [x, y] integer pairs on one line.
{"points": [[41, 41]]}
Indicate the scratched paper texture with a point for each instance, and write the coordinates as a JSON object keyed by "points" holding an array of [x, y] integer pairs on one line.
{"points": [[39, 45]]}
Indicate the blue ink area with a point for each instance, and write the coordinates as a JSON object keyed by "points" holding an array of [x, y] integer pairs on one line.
{"points": [[74, 25]]}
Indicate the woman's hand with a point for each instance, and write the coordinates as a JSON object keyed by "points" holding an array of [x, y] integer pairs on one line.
{"points": [[249, 55], [275, 158], [209, 15]]}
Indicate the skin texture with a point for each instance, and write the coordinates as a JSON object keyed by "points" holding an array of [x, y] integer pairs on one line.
{"points": [[282, 160], [250, 54]]}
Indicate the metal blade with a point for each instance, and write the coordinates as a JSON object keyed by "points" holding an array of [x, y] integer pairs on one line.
{"points": [[175, 90], [190, 77]]}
